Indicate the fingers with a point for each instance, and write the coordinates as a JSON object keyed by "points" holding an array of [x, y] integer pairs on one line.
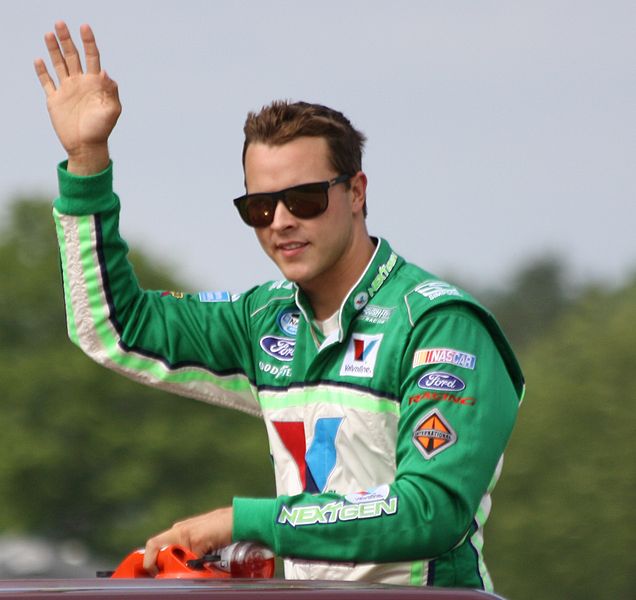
{"points": [[64, 55], [59, 64], [157, 543], [71, 56], [43, 75], [90, 50], [150, 557]]}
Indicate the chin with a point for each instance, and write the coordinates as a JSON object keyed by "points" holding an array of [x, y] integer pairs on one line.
{"points": [[298, 276]]}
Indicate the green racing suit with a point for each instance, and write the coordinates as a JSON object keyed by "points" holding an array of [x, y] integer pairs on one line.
{"points": [[387, 436]]}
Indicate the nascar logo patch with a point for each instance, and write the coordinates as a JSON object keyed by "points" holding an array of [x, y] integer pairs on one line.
{"points": [[449, 356]]}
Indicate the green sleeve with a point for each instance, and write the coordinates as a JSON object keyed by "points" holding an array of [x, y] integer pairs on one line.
{"points": [[171, 340], [448, 450]]}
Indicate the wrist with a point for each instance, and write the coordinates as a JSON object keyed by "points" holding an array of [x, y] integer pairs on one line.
{"points": [[88, 160], [84, 195]]}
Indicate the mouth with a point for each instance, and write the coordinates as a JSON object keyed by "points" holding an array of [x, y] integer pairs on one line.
{"points": [[291, 249]]}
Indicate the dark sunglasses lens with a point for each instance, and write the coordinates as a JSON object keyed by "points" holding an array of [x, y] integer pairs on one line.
{"points": [[258, 210], [304, 201], [307, 201]]}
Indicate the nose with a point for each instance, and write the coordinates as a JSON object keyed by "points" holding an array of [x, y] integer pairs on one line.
{"points": [[283, 219]]}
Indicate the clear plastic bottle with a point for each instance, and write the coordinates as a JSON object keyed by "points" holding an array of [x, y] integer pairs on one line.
{"points": [[246, 560]]}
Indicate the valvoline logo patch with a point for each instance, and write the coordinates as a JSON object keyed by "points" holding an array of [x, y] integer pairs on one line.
{"points": [[441, 381], [316, 463], [279, 347], [433, 434], [361, 354], [380, 492]]}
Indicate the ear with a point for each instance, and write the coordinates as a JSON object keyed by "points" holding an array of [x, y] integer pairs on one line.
{"points": [[358, 192]]}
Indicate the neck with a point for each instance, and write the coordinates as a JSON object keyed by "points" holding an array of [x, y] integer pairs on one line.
{"points": [[327, 292]]}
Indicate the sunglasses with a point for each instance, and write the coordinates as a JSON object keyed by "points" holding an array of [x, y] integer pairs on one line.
{"points": [[304, 201]]}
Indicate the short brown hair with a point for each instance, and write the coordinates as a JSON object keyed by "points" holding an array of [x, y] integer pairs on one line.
{"points": [[283, 121]]}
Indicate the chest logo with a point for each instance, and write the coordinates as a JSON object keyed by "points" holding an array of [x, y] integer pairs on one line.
{"points": [[279, 347], [433, 434], [375, 314], [361, 354], [316, 463], [288, 321]]}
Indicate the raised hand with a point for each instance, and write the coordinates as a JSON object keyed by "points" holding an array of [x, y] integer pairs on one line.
{"points": [[85, 106]]}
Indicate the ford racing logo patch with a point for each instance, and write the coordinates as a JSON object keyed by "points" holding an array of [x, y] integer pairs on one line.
{"points": [[441, 381], [279, 347]]}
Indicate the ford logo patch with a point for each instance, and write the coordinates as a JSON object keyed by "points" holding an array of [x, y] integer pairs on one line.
{"points": [[278, 347], [442, 381]]}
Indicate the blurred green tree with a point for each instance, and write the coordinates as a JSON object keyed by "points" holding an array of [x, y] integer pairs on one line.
{"points": [[537, 296], [564, 525], [87, 454]]}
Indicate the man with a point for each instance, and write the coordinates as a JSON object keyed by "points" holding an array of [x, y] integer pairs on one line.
{"points": [[388, 395]]}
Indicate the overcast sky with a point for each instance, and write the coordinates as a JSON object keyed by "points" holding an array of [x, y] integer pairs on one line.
{"points": [[498, 131]]}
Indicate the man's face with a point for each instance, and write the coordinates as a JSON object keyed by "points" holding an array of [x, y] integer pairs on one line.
{"points": [[310, 252]]}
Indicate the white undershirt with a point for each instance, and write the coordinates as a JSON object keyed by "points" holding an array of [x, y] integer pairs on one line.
{"points": [[328, 326]]}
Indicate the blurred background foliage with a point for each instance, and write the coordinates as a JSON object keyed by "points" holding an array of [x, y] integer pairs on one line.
{"points": [[88, 455]]}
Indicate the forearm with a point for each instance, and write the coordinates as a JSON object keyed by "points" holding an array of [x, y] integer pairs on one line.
{"points": [[411, 521], [179, 344]]}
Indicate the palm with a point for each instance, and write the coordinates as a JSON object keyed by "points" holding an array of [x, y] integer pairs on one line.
{"points": [[84, 110]]}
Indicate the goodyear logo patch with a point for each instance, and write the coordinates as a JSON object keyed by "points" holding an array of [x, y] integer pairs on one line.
{"points": [[433, 434], [433, 356], [274, 370]]}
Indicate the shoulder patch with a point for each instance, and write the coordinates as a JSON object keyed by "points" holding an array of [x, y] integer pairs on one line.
{"points": [[431, 293], [215, 296], [434, 289], [433, 434]]}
